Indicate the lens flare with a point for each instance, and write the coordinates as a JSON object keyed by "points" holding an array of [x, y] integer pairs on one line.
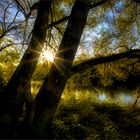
{"points": [[48, 56]]}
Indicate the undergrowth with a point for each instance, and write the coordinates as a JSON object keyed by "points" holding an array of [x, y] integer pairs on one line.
{"points": [[90, 120], [87, 120]]}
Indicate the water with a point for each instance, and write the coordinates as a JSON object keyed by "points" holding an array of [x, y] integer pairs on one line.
{"points": [[121, 98]]}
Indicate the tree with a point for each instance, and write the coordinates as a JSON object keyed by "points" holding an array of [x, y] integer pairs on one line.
{"points": [[105, 59], [18, 88], [13, 95], [50, 93]]}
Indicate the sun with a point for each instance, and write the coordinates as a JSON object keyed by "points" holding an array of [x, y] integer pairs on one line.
{"points": [[48, 55]]}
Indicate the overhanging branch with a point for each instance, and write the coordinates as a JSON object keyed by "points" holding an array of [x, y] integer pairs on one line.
{"points": [[106, 59]]}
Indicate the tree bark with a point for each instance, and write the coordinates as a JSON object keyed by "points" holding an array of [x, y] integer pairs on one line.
{"points": [[13, 95], [50, 93]]}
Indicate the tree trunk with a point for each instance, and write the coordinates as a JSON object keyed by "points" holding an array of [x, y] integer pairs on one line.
{"points": [[50, 93], [12, 99]]}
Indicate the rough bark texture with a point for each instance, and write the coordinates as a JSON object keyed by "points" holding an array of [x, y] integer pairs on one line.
{"points": [[13, 95], [50, 93]]}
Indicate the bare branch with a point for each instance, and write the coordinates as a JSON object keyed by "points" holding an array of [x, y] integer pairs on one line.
{"points": [[58, 21], [8, 45], [4, 18], [67, 17], [13, 19], [20, 7]]}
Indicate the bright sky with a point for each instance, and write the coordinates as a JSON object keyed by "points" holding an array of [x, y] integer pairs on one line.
{"points": [[90, 34]]}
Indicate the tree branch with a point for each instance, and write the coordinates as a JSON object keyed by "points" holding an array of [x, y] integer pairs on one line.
{"points": [[58, 21], [8, 45], [105, 59], [67, 17]]}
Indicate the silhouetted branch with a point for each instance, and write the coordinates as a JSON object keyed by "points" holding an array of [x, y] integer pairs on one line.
{"points": [[105, 59], [58, 21], [67, 17]]}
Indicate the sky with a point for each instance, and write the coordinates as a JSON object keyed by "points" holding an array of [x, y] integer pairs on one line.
{"points": [[91, 33]]}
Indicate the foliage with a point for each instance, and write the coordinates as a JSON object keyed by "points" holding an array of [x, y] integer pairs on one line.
{"points": [[85, 119], [112, 28], [113, 75], [9, 59]]}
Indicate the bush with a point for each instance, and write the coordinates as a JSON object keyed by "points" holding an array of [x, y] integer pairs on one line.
{"points": [[87, 120]]}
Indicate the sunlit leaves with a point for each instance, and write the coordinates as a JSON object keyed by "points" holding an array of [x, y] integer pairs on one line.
{"points": [[9, 59], [125, 18]]}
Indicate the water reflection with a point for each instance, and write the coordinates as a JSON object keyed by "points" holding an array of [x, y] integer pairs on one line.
{"points": [[102, 97], [126, 98], [121, 98]]}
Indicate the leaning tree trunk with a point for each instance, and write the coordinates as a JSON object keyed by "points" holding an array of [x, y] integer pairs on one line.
{"points": [[50, 93], [13, 95]]}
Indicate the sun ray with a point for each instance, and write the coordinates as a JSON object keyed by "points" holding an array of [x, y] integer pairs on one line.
{"points": [[67, 49], [54, 58], [61, 59], [57, 66], [34, 51]]}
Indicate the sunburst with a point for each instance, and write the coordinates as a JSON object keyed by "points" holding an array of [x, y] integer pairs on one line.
{"points": [[47, 55]]}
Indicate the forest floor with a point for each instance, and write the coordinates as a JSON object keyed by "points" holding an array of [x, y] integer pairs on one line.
{"points": [[87, 120], [94, 121]]}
